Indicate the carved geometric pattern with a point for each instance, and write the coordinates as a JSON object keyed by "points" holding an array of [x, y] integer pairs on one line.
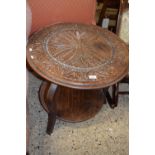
{"points": [[78, 55]]}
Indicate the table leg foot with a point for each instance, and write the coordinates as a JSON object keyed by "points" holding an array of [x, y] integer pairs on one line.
{"points": [[51, 123]]}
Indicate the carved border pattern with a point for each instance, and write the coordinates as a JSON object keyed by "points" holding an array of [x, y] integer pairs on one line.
{"points": [[44, 63]]}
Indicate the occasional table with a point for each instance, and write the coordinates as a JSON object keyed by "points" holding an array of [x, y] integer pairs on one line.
{"points": [[77, 62]]}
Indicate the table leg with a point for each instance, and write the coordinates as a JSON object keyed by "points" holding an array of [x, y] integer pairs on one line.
{"points": [[112, 100], [47, 92], [115, 89], [51, 122]]}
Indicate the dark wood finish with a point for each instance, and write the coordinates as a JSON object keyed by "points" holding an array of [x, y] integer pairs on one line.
{"points": [[84, 57], [51, 123], [47, 92], [78, 56], [115, 89], [109, 98], [73, 105]]}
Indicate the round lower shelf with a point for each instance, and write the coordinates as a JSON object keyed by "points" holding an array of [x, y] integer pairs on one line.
{"points": [[72, 105]]}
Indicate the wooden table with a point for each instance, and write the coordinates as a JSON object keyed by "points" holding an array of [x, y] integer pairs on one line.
{"points": [[77, 61]]}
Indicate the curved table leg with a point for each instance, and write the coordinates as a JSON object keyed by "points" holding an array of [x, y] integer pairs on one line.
{"points": [[51, 123], [47, 93]]}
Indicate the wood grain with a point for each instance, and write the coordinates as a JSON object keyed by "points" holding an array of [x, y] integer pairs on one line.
{"points": [[71, 105], [68, 54]]}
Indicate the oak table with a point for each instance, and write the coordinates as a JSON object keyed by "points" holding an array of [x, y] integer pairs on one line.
{"points": [[77, 62]]}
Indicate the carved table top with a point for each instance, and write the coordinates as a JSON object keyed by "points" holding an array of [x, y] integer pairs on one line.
{"points": [[78, 56]]}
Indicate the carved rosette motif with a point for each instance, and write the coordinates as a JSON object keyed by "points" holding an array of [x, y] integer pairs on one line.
{"points": [[77, 55]]}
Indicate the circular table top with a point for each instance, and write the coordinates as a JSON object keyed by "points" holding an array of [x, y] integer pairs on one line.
{"points": [[78, 56]]}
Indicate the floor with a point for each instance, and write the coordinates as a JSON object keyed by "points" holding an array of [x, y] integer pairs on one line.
{"points": [[105, 134]]}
